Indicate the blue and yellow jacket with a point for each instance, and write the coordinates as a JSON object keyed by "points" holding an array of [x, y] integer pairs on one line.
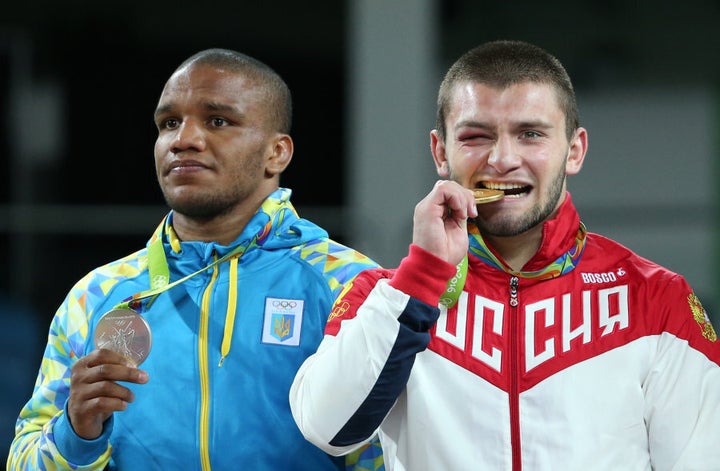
{"points": [[226, 344]]}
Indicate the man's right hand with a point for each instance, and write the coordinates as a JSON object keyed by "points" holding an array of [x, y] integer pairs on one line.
{"points": [[440, 221], [95, 393]]}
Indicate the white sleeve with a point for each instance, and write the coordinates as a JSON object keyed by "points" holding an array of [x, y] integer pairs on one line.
{"points": [[333, 383], [683, 411]]}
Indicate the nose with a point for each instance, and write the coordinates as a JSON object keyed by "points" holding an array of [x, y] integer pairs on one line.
{"points": [[188, 136], [504, 156]]}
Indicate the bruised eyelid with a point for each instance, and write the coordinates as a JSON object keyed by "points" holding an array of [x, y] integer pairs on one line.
{"points": [[472, 133]]}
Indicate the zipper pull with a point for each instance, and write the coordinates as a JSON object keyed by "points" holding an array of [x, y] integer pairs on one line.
{"points": [[514, 291]]}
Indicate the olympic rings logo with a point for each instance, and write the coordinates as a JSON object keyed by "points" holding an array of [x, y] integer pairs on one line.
{"points": [[159, 281], [284, 304]]}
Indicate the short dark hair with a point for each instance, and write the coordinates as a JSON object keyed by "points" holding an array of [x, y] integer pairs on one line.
{"points": [[504, 63], [277, 91]]}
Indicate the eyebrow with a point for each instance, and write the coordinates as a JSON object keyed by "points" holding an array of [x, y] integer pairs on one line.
{"points": [[208, 105], [215, 106], [472, 124], [537, 124]]}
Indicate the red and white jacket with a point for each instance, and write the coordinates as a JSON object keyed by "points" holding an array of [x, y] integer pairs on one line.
{"points": [[612, 365]]}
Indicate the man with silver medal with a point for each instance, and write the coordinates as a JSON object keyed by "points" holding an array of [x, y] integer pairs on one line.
{"points": [[181, 355]]}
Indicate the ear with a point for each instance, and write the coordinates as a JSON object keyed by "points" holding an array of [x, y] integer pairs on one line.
{"points": [[281, 154], [437, 148], [577, 151]]}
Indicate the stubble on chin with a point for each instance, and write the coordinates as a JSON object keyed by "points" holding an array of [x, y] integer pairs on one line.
{"points": [[198, 206], [505, 225]]}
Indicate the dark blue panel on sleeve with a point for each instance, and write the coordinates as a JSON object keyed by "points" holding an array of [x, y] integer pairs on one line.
{"points": [[413, 337]]}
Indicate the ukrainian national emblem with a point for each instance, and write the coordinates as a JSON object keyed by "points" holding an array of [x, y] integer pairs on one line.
{"points": [[282, 326]]}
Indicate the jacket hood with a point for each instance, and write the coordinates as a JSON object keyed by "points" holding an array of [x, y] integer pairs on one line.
{"points": [[278, 225]]}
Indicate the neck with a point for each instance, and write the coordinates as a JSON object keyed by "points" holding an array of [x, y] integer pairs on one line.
{"points": [[221, 229], [517, 250]]}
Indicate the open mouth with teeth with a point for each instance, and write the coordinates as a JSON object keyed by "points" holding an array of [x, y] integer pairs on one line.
{"points": [[510, 189]]}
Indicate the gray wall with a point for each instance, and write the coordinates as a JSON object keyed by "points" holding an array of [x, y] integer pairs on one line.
{"points": [[648, 179]]}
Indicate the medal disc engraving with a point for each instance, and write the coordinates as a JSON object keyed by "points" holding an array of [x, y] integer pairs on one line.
{"points": [[484, 195], [126, 332]]}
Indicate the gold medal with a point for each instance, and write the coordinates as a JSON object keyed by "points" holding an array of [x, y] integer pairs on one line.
{"points": [[484, 195], [126, 332]]}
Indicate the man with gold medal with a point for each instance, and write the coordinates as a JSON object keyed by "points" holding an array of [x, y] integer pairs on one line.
{"points": [[510, 337]]}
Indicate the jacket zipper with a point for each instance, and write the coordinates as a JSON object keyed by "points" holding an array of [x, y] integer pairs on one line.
{"points": [[514, 376], [204, 374]]}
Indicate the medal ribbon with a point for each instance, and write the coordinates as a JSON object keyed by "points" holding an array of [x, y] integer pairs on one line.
{"points": [[274, 208], [455, 285], [564, 264], [160, 272]]}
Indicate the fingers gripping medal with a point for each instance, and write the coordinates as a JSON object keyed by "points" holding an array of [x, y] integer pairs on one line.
{"points": [[126, 332]]}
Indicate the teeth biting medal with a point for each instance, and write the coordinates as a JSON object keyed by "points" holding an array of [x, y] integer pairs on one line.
{"points": [[485, 195]]}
